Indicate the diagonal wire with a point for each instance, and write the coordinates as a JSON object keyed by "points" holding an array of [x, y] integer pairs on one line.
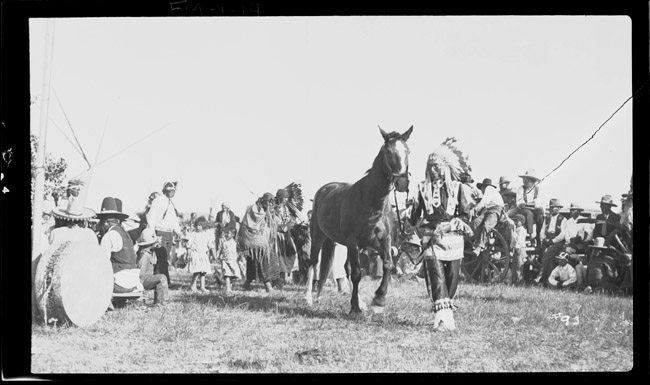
{"points": [[592, 135], [61, 131], [70, 125], [131, 145]]}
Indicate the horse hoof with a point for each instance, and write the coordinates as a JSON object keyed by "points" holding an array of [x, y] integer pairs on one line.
{"points": [[376, 309], [355, 312], [309, 301]]}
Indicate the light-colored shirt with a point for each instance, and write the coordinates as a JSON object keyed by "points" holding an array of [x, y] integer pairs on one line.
{"points": [[127, 278], [520, 237], [491, 198], [571, 229], [566, 273], [162, 215], [550, 232], [529, 199], [76, 233], [111, 242]]}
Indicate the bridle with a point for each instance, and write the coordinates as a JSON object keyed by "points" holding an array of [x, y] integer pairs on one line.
{"points": [[391, 177]]}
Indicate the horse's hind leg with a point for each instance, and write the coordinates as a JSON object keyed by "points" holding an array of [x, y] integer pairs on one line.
{"points": [[318, 237]]}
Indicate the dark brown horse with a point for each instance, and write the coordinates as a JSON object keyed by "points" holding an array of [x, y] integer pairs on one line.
{"points": [[357, 216]]}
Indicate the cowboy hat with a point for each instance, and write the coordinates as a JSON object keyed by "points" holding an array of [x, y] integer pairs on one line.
{"points": [[575, 206], [530, 174], [607, 200], [599, 243], [554, 203], [112, 208], [486, 182], [504, 179], [148, 237]]}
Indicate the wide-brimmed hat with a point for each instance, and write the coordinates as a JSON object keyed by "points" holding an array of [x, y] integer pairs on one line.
{"points": [[554, 203], [519, 217], [148, 237], [563, 255], [504, 179], [112, 208], [486, 182], [607, 200], [167, 186], [575, 206], [72, 209], [530, 174], [599, 243]]}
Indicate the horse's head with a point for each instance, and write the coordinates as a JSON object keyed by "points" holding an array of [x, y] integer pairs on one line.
{"points": [[396, 158]]}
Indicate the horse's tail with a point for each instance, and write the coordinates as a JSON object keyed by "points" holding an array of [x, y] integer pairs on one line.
{"points": [[327, 256]]}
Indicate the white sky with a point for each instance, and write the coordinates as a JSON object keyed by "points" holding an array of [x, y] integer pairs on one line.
{"points": [[252, 104]]}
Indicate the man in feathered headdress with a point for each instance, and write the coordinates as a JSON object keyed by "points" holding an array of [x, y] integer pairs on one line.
{"points": [[440, 200]]}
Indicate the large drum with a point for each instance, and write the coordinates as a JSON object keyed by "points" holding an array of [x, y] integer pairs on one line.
{"points": [[73, 282]]}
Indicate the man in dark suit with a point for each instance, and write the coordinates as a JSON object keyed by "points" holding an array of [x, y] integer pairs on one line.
{"points": [[607, 221]]}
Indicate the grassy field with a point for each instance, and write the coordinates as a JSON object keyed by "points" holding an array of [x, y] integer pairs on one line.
{"points": [[499, 329]]}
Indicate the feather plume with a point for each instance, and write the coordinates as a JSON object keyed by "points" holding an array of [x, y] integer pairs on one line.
{"points": [[296, 199], [451, 160]]}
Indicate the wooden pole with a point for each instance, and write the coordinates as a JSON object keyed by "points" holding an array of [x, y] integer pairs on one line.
{"points": [[39, 185]]}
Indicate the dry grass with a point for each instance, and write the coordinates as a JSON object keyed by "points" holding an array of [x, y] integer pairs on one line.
{"points": [[500, 329]]}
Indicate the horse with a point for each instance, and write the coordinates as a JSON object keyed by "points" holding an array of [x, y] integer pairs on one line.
{"points": [[357, 216]]}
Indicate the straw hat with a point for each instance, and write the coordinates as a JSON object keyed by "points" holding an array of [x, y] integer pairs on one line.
{"points": [[73, 209], [599, 243], [554, 203], [575, 206], [607, 200], [530, 174], [148, 237], [112, 208]]}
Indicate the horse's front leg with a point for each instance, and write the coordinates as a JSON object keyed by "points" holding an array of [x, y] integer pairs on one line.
{"points": [[355, 275], [379, 300]]}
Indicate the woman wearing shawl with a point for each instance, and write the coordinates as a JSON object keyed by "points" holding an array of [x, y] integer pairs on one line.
{"points": [[255, 239], [440, 200]]}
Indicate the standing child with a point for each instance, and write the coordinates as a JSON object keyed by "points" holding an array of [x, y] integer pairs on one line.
{"points": [[519, 249], [227, 256], [198, 245]]}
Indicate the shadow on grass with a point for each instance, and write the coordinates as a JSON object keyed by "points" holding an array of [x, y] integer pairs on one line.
{"points": [[276, 302]]}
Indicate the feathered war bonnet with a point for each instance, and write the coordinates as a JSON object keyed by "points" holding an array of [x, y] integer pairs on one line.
{"points": [[451, 161]]}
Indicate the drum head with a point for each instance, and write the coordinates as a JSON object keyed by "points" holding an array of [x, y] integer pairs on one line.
{"points": [[86, 281]]}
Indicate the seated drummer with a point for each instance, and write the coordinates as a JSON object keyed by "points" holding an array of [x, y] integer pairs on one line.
{"points": [[118, 246]]}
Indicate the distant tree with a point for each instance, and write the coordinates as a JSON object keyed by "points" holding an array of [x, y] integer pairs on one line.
{"points": [[55, 173]]}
